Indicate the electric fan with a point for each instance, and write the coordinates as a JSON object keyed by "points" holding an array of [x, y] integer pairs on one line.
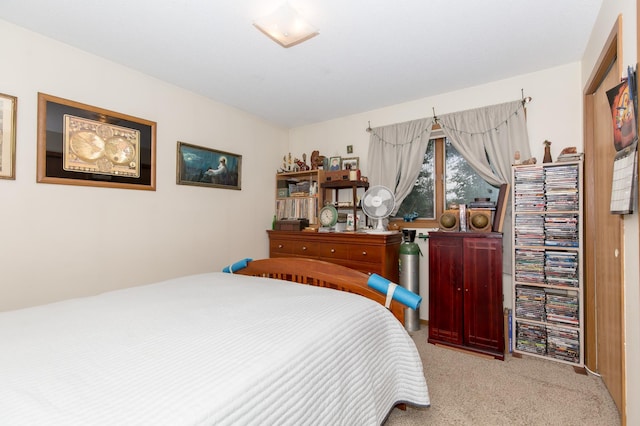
{"points": [[378, 203]]}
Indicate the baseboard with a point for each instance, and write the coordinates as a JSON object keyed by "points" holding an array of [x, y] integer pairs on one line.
{"points": [[481, 355]]}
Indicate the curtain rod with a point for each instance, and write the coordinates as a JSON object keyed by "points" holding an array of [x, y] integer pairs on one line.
{"points": [[525, 100]]}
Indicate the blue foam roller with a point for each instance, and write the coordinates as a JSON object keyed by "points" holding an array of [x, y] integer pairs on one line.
{"points": [[236, 266], [401, 294]]}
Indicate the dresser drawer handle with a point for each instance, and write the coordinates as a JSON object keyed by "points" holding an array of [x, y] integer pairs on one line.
{"points": [[333, 250], [364, 253], [304, 248], [280, 245]]}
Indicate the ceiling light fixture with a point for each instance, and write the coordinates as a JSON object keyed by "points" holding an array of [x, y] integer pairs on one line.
{"points": [[286, 27]]}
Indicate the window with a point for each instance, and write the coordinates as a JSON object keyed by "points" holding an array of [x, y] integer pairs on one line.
{"points": [[445, 179]]}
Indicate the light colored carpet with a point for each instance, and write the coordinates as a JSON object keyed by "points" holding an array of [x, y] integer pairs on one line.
{"points": [[470, 390]]}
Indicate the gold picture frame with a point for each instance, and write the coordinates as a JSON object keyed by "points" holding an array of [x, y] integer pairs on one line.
{"points": [[80, 144], [8, 124]]}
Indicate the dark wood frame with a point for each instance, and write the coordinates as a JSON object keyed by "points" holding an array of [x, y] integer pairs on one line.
{"points": [[51, 111], [233, 161], [501, 207]]}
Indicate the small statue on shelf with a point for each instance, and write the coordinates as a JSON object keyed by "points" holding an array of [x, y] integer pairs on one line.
{"points": [[302, 164], [516, 158], [547, 152], [317, 160]]}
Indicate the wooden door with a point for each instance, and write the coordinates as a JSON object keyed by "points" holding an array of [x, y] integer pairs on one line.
{"points": [[483, 316], [603, 230], [445, 289]]}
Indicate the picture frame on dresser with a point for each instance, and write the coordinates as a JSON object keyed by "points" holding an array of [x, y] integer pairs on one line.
{"points": [[335, 163], [80, 144], [350, 163], [8, 112], [207, 167]]}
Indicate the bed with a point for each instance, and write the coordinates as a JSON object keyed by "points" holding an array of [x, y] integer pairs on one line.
{"points": [[249, 347]]}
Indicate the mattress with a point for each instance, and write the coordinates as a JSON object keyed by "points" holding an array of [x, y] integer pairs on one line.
{"points": [[207, 349]]}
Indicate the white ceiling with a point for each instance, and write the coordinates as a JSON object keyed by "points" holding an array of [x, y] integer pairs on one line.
{"points": [[369, 53]]}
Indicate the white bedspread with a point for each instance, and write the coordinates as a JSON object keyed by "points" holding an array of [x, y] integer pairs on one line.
{"points": [[207, 349]]}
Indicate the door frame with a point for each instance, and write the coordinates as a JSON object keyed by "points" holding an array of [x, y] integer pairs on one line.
{"points": [[611, 51]]}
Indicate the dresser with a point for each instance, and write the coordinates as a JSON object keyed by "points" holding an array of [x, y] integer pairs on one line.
{"points": [[465, 291], [369, 253]]}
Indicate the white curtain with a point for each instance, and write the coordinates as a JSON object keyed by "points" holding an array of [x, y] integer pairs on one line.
{"points": [[396, 154], [488, 138]]}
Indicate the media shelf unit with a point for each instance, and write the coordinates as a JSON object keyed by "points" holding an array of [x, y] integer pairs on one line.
{"points": [[548, 283]]}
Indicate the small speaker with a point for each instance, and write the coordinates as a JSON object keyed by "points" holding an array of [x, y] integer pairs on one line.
{"points": [[480, 220], [450, 221]]}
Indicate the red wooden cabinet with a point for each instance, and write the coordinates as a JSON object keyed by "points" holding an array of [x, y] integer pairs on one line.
{"points": [[465, 291]]}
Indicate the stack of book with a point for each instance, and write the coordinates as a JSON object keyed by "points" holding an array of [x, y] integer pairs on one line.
{"points": [[297, 208], [561, 268], [529, 266], [480, 203], [529, 189], [531, 338], [529, 230], [575, 156], [561, 230], [561, 188], [561, 306], [563, 344], [530, 302]]}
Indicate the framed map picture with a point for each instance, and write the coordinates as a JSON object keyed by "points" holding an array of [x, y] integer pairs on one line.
{"points": [[80, 144]]}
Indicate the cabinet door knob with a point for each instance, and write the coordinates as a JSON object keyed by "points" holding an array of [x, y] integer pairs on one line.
{"points": [[364, 253], [333, 250], [279, 245], [304, 247], [458, 288]]}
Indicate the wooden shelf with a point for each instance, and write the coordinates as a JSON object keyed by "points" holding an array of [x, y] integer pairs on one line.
{"points": [[336, 186]]}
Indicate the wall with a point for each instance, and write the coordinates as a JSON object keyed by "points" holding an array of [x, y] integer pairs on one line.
{"points": [[604, 24], [555, 114], [61, 241]]}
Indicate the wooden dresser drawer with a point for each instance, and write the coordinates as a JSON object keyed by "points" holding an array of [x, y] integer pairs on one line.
{"points": [[331, 251], [304, 248], [279, 247], [370, 254]]}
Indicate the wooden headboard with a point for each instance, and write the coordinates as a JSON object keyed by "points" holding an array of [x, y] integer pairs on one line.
{"points": [[322, 274]]}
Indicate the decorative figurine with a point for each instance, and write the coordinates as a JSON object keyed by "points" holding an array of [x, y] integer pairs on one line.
{"points": [[547, 152], [317, 160]]}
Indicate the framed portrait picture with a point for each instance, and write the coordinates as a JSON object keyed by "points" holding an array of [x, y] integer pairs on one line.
{"points": [[351, 163], [200, 166], [80, 144], [334, 163], [8, 110]]}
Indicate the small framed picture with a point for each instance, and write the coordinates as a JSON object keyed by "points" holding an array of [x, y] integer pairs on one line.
{"points": [[201, 166], [351, 163], [334, 163], [8, 107]]}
